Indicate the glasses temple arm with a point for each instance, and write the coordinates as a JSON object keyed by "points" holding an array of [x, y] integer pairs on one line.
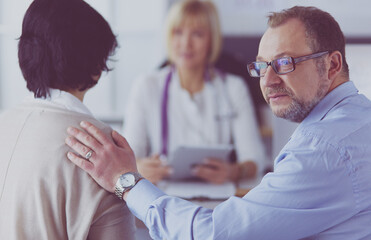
{"points": [[307, 57]]}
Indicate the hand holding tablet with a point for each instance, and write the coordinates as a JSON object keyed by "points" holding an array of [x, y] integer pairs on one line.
{"points": [[185, 158]]}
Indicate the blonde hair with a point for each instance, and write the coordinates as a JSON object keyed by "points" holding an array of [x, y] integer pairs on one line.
{"points": [[199, 12]]}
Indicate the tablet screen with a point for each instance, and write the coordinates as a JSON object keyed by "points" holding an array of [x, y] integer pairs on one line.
{"points": [[184, 158]]}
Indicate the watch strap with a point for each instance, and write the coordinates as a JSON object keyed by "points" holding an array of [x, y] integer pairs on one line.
{"points": [[120, 190]]}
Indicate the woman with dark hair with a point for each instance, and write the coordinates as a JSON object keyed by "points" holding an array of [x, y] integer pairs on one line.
{"points": [[63, 49]]}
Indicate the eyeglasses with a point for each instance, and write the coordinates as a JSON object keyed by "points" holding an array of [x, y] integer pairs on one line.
{"points": [[280, 65]]}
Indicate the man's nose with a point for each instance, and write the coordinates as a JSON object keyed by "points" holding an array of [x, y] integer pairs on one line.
{"points": [[270, 78]]}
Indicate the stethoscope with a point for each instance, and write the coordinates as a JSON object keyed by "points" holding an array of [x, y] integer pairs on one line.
{"points": [[228, 115]]}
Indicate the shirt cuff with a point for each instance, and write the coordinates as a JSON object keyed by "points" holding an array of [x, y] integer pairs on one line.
{"points": [[141, 197]]}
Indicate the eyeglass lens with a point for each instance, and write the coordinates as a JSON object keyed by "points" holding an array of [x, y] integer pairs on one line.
{"points": [[283, 65], [280, 66], [257, 69]]}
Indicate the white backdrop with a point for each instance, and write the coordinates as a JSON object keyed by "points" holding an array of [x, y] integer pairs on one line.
{"points": [[248, 17]]}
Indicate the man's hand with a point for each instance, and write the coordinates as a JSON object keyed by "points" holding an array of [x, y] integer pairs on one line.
{"points": [[111, 157]]}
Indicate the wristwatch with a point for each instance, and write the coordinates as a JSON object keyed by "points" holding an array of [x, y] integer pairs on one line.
{"points": [[126, 182]]}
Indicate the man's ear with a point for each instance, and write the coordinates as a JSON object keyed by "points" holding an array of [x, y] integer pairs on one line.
{"points": [[336, 65]]}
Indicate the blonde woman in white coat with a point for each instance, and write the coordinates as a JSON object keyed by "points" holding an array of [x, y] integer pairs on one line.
{"points": [[190, 102]]}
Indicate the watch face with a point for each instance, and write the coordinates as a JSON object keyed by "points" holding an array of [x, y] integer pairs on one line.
{"points": [[127, 180]]}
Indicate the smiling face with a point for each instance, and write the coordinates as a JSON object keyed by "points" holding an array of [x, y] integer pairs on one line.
{"points": [[291, 96], [190, 45]]}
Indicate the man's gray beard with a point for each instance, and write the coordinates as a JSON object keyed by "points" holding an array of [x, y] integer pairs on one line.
{"points": [[298, 109]]}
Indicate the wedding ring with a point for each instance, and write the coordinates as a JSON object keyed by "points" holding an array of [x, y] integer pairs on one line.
{"points": [[88, 154]]}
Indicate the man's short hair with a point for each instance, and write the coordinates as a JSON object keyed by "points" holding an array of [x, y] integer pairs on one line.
{"points": [[323, 33], [198, 12], [64, 43]]}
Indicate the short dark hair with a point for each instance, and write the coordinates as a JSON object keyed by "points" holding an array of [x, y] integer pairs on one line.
{"points": [[63, 44], [323, 32]]}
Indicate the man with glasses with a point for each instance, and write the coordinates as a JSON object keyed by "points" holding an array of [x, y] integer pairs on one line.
{"points": [[321, 184]]}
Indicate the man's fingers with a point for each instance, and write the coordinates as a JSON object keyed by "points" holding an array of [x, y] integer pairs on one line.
{"points": [[95, 132], [83, 137], [81, 162], [120, 140], [79, 148]]}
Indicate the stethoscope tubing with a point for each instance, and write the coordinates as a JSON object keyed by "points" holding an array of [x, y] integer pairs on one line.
{"points": [[164, 109]]}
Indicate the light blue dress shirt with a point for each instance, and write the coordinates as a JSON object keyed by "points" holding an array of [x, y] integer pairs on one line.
{"points": [[320, 187]]}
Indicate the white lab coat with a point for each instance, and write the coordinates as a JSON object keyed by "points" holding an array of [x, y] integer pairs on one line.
{"points": [[193, 120]]}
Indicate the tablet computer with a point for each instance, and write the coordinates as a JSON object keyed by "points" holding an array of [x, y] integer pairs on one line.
{"points": [[184, 158]]}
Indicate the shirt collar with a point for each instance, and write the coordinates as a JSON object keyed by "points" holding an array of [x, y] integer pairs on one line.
{"points": [[330, 100], [65, 100]]}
